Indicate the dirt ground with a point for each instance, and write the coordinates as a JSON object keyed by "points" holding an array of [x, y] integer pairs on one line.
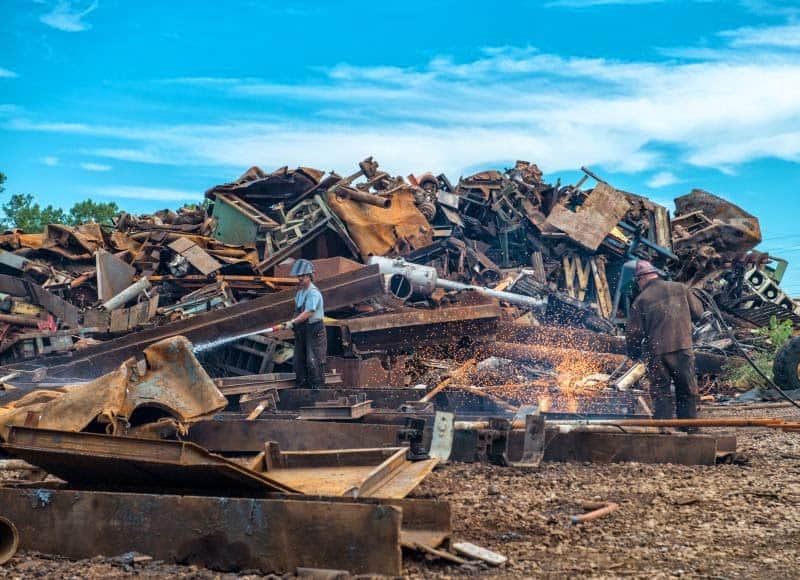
{"points": [[727, 521]]}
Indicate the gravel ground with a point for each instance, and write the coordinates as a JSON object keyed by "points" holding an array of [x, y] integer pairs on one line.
{"points": [[727, 521]]}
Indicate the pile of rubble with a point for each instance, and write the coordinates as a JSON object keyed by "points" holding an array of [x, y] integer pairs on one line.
{"points": [[480, 321], [556, 252]]}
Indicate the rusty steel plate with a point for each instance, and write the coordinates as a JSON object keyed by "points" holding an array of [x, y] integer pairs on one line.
{"points": [[221, 533], [108, 462]]}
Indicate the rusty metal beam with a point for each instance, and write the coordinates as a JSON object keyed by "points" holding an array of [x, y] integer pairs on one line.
{"points": [[582, 339], [93, 361], [578, 338], [404, 330], [597, 447], [221, 533], [471, 445], [462, 401], [550, 354], [240, 436]]}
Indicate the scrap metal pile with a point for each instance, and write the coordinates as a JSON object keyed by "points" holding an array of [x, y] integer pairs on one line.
{"points": [[552, 255], [473, 322]]}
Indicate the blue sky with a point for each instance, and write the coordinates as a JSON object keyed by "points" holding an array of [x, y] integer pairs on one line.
{"points": [[150, 103]]}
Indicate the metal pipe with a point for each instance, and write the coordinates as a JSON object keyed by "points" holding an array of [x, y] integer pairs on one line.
{"points": [[363, 197], [583, 428], [459, 373], [20, 320], [127, 295], [424, 279], [404, 275], [510, 297], [9, 377], [705, 422], [630, 377], [596, 513], [559, 424], [9, 540], [400, 287]]}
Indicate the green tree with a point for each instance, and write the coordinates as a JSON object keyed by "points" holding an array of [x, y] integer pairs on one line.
{"points": [[2, 181], [21, 212], [89, 211]]}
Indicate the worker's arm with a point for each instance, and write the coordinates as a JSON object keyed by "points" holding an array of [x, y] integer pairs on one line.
{"points": [[309, 306], [302, 317], [695, 306], [633, 333]]}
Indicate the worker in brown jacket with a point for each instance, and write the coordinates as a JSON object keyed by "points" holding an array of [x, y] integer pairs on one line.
{"points": [[660, 331]]}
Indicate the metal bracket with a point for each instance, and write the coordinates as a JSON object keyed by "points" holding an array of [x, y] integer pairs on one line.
{"points": [[533, 447], [442, 439]]}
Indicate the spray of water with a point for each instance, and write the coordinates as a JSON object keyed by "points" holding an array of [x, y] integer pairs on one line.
{"points": [[202, 347]]}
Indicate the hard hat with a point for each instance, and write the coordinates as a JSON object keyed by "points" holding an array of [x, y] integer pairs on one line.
{"points": [[302, 267], [644, 268]]}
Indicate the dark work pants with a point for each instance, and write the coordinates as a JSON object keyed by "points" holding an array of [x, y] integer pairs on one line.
{"points": [[310, 352], [676, 367]]}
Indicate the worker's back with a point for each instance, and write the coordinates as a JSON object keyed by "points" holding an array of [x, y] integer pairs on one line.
{"points": [[665, 311]]}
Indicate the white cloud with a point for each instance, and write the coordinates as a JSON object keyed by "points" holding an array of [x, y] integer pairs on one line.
{"points": [[95, 167], [135, 155], [149, 193], [50, 160], [7, 74], [509, 103], [662, 179], [786, 36], [781, 145], [68, 15]]}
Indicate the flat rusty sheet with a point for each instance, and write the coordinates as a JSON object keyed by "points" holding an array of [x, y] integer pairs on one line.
{"points": [[378, 231], [196, 256], [474, 316], [590, 223], [113, 275], [272, 535], [108, 462], [383, 473]]}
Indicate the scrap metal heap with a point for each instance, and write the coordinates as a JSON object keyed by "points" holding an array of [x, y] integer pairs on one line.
{"points": [[476, 321], [562, 247]]}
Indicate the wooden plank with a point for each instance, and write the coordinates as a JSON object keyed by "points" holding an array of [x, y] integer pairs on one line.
{"points": [[574, 267], [604, 302], [591, 222], [538, 267]]}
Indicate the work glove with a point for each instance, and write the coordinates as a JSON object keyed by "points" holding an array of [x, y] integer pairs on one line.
{"points": [[288, 325]]}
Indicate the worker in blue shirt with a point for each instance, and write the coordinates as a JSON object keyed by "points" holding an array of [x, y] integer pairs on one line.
{"points": [[310, 340]]}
